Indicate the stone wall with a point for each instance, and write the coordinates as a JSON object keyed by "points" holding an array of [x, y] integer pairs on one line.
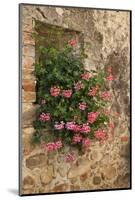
{"points": [[106, 43]]}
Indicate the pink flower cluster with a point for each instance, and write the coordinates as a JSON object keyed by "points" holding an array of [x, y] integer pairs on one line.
{"points": [[85, 128], [55, 91], [77, 138], [59, 126], [100, 134], [78, 128], [78, 86], [44, 117], [52, 146], [92, 116], [86, 76], [105, 96], [71, 126], [82, 106], [67, 93], [92, 91], [72, 42], [70, 157], [86, 142]]}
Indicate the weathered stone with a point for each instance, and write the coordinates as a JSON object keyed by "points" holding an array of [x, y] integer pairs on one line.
{"points": [[96, 180], [59, 11], [75, 188], [93, 166], [28, 114], [60, 159], [47, 174], [61, 188], [27, 25], [28, 85], [74, 180], [28, 97], [28, 39], [28, 182], [109, 172], [28, 50], [83, 177], [35, 161], [83, 167], [96, 155], [123, 181], [63, 171], [125, 150], [28, 131], [26, 140], [28, 74], [28, 63]]}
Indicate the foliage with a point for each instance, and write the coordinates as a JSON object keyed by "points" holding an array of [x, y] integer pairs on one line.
{"points": [[71, 99]]}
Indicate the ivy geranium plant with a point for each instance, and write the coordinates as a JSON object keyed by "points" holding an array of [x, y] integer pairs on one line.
{"points": [[71, 98]]}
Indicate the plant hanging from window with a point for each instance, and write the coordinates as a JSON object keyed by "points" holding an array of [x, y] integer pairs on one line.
{"points": [[72, 100]]}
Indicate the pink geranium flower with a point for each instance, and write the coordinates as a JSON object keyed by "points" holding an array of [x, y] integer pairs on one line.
{"points": [[44, 117], [86, 142], [110, 77], [55, 91], [72, 42], [67, 93], [70, 157], [85, 128], [51, 146], [92, 116], [78, 86], [82, 106], [105, 96], [76, 128], [86, 76], [59, 126], [58, 144], [92, 91], [76, 138], [100, 134], [70, 125]]}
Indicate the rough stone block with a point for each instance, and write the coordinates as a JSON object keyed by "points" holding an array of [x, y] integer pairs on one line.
{"points": [[28, 73], [61, 188], [28, 182], [28, 50], [28, 114], [28, 85], [28, 96], [83, 167], [27, 39], [28, 62], [27, 24], [47, 174], [36, 161]]}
